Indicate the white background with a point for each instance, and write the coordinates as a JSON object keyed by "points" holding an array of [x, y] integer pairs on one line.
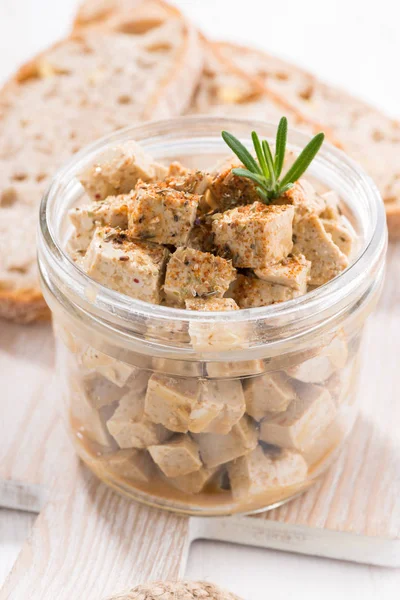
{"points": [[352, 43]]}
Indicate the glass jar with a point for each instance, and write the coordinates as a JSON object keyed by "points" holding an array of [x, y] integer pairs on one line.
{"points": [[210, 413]]}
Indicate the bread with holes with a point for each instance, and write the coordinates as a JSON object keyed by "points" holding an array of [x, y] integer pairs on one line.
{"points": [[80, 89], [366, 134]]}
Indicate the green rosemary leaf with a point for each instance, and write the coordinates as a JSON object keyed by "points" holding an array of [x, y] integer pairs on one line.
{"points": [[249, 175], [280, 149], [303, 161], [263, 195], [241, 152], [285, 188], [260, 155], [270, 161]]}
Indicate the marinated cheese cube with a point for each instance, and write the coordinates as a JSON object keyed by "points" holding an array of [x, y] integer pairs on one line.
{"points": [[254, 235], [179, 456], [118, 170], [320, 367], [186, 180], [332, 206], [161, 214], [191, 273], [111, 212], [229, 190], [304, 420], [217, 449], [87, 419], [130, 267], [249, 292], [215, 336], [170, 400], [258, 472], [193, 483], [292, 272], [101, 391], [129, 426], [109, 367], [268, 393], [304, 199], [134, 465], [341, 236], [311, 240], [221, 405]]}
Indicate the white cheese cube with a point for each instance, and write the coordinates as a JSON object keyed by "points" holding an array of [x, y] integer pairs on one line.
{"points": [[292, 272], [217, 449], [112, 369], [177, 457], [161, 214], [118, 170], [185, 180], [111, 212], [221, 405], [130, 428], [192, 483], [332, 206], [311, 240], [229, 190], [101, 391], [216, 336], [254, 235], [250, 292], [258, 472], [192, 273], [320, 367], [169, 401], [269, 393], [133, 465], [304, 420], [304, 199], [341, 236], [132, 268]]}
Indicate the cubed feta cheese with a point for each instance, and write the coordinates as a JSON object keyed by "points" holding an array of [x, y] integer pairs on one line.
{"points": [[216, 336], [129, 426], [268, 393], [185, 180], [229, 190], [292, 272], [319, 368], [221, 405], [250, 292], [332, 206], [118, 170], [179, 456], [161, 214], [303, 198], [259, 472], [341, 236], [192, 273], [193, 483], [130, 267], [254, 235], [170, 400], [304, 420], [133, 465], [109, 367], [111, 212], [317, 246], [87, 419], [217, 449], [101, 391]]}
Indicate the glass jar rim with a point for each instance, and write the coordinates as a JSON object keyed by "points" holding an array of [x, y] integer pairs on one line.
{"points": [[109, 305]]}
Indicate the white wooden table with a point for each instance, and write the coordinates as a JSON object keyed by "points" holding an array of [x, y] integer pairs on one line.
{"points": [[308, 32]]}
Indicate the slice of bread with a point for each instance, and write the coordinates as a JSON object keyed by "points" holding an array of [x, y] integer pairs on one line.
{"points": [[226, 89], [365, 133], [80, 89]]}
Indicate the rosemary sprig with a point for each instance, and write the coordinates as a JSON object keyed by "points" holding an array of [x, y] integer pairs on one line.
{"points": [[267, 171]]}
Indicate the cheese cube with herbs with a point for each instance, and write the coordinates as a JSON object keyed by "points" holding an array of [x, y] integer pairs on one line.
{"points": [[128, 266], [111, 212], [170, 400], [305, 419], [254, 235], [193, 483], [217, 449], [129, 426], [303, 198], [186, 180], [313, 241], [268, 393], [260, 472], [341, 236], [179, 456], [161, 214], [118, 170], [221, 405], [191, 273], [250, 292], [292, 272], [229, 190]]}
